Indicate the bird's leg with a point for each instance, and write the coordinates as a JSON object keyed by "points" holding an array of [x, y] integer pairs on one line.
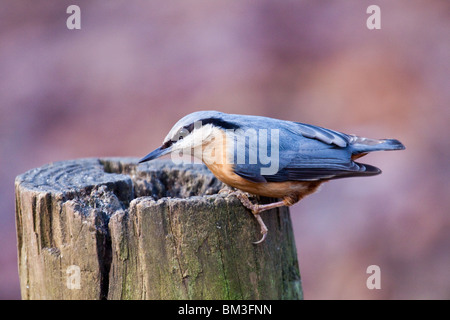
{"points": [[257, 209]]}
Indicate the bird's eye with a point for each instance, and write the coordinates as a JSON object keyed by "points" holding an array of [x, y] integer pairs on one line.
{"points": [[180, 134]]}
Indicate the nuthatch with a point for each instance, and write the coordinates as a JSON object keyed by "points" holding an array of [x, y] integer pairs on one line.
{"points": [[302, 156]]}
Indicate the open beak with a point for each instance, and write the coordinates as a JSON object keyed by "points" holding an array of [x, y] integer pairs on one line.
{"points": [[156, 154]]}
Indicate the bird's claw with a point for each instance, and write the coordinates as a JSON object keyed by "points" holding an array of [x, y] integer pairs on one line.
{"points": [[264, 229], [262, 239]]}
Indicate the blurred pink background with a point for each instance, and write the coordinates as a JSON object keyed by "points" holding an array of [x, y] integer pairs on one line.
{"points": [[115, 87]]}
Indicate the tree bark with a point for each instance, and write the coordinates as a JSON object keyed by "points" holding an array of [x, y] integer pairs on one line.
{"points": [[110, 229]]}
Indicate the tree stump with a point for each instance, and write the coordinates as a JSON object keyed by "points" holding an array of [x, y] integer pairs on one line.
{"points": [[110, 229]]}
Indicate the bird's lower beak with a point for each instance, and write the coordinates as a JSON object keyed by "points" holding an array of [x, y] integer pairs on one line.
{"points": [[155, 154]]}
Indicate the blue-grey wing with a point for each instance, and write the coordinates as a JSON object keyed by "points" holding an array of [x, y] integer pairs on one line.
{"points": [[307, 153]]}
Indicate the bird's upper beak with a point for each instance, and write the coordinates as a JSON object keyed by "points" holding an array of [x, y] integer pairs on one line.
{"points": [[156, 154]]}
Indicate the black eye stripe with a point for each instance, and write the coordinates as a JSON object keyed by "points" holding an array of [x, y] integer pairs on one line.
{"points": [[220, 123], [167, 144], [214, 121], [189, 127]]}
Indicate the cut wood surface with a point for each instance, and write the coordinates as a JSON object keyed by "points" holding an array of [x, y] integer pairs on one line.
{"points": [[112, 229]]}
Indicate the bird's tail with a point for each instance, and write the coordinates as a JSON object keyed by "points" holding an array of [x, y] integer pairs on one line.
{"points": [[363, 145]]}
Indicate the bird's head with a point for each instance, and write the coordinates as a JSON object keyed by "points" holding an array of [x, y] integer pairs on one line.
{"points": [[193, 131]]}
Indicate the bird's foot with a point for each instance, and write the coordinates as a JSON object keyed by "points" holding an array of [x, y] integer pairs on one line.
{"points": [[226, 191], [244, 198], [255, 209]]}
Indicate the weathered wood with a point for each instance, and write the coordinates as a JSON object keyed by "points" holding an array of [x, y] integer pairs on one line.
{"points": [[109, 229]]}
